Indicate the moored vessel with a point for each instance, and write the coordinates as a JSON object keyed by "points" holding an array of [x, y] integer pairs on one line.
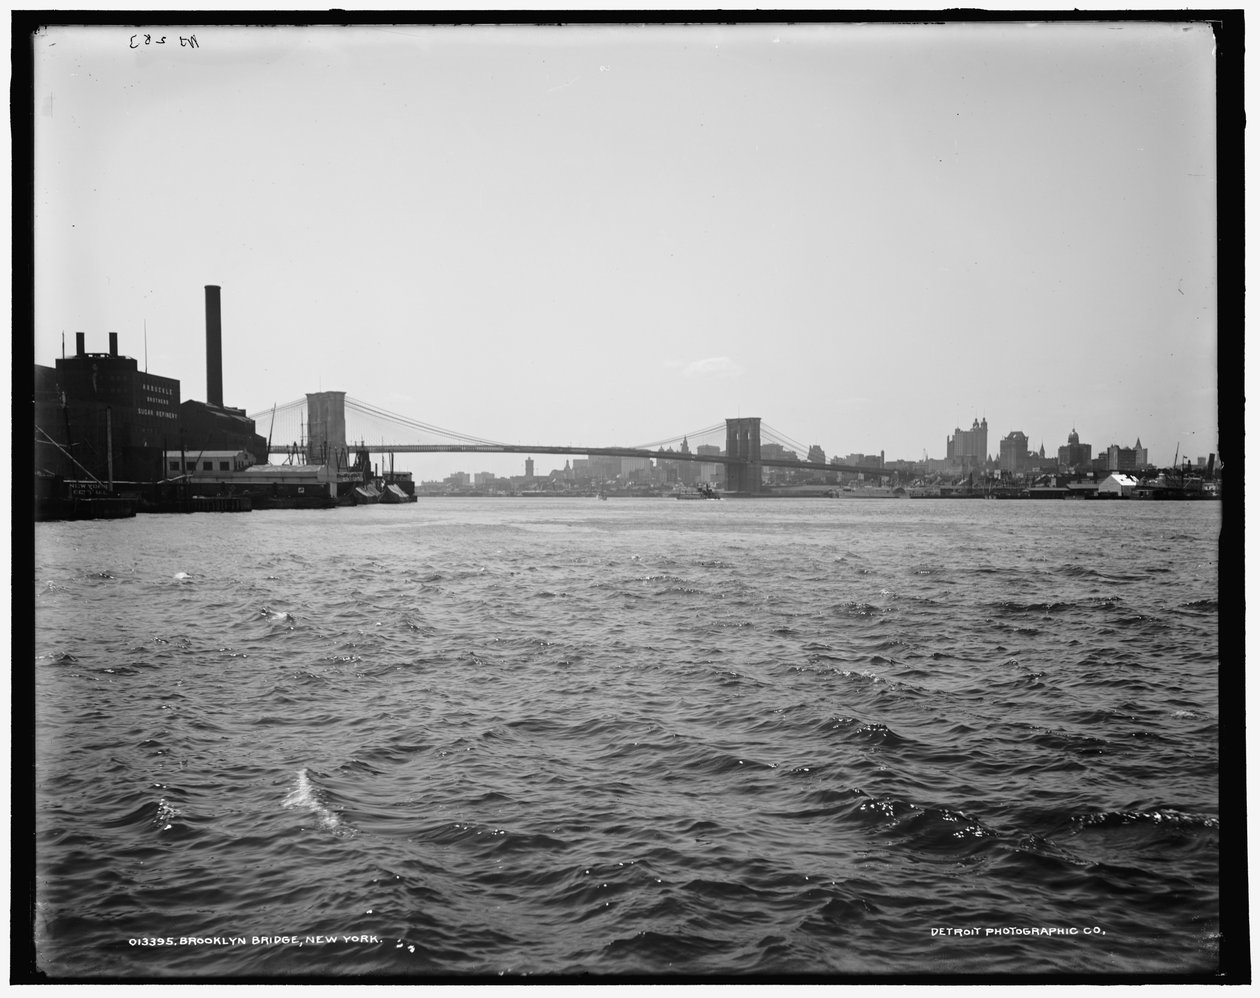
{"points": [[868, 492]]}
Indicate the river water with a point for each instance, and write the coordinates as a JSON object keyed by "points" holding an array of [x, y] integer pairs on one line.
{"points": [[483, 737]]}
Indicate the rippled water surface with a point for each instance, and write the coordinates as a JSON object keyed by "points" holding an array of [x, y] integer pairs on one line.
{"points": [[635, 737]]}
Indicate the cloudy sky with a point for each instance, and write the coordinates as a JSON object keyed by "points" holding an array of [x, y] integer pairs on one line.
{"points": [[865, 234]]}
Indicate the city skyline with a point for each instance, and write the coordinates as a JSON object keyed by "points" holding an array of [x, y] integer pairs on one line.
{"points": [[541, 471], [865, 234]]}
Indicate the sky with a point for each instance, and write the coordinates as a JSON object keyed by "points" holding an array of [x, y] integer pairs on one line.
{"points": [[867, 235]]}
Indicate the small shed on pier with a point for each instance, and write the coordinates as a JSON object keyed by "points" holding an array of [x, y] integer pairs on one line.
{"points": [[1117, 484]]}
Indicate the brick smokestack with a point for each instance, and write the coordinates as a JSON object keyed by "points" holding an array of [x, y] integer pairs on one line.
{"points": [[214, 347], [78, 345], [113, 344]]}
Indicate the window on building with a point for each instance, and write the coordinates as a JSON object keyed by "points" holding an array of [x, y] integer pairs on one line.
{"points": [[224, 466], [174, 466], [207, 466]]}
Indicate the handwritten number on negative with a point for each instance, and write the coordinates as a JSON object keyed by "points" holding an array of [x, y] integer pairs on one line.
{"points": [[185, 43]]}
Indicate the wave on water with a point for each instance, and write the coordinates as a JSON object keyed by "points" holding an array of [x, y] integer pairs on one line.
{"points": [[278, 616], [311, 797], [1163, 817]]}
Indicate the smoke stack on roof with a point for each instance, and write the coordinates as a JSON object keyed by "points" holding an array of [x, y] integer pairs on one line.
{"points": [[78, 345], [214, 347], [113, 344]]}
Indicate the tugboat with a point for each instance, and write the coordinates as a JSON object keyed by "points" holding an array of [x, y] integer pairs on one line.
{"points": [[705, 491]]}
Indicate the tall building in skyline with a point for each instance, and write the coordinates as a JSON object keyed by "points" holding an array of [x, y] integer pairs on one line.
{"points": [[777, 452], [688, 471], [1126, 458], [636, 469], [709, 472], [598, 467], [1075, 454], [666, 470], [865, 460], [969, 448], [1014, 452]]}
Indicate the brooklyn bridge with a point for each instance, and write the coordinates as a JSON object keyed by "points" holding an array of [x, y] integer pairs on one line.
{"points": [[332, 428]]}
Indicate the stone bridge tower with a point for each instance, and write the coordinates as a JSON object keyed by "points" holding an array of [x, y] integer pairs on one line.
{"points": [[743, 439], [326, 428]]}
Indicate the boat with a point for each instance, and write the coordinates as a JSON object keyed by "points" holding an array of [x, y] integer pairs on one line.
{"points": [[393, 494], [220, 504], [312, 500], [1168, 487], [97, 507], [56, 499], [869, 492], [705, 491]]}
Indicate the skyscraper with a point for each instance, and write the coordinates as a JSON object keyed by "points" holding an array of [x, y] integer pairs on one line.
{"points": [[1014, 454], [969, 448], [1075, 454]]}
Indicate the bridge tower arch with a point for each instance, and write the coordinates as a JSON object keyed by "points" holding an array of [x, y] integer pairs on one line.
{"points": [[743, 440]]}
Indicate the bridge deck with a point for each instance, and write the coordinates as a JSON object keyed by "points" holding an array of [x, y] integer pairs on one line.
{"points": [[599, 452]]}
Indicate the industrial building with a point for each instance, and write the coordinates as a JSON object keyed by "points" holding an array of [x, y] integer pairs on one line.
{"points": [[98, 416]]}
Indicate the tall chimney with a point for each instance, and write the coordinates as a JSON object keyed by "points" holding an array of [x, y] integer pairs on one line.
{"points": [[113, 344], [78, 345], [214, 347]]}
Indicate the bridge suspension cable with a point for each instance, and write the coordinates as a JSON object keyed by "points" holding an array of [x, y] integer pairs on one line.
{"points": [[405, 422], [694, 434], [381, 422], [278, 421], [286, 408], [778, 437]]}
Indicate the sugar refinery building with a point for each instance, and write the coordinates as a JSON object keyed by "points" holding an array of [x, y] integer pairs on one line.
{"points": [[97, 415]]}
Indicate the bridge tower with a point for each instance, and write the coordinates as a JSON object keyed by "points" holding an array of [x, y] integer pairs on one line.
{"points": [[326, 428], [743, 439]]}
